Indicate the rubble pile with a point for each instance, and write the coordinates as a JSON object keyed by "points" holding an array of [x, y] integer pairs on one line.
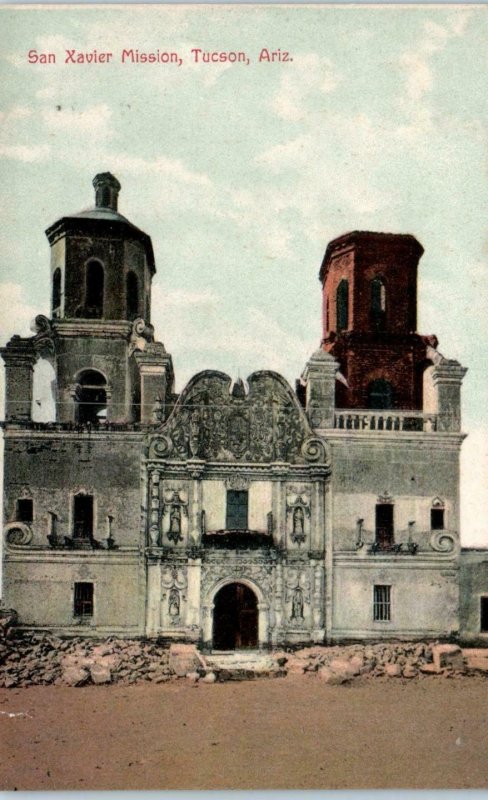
{"points": [[28, 659], [36, 658], [339, 664]]}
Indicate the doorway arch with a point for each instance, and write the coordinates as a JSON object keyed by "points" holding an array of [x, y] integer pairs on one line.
{"points": [[235, 618]]}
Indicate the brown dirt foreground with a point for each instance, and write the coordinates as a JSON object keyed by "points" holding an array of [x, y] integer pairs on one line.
{"points": [[292, 733]]}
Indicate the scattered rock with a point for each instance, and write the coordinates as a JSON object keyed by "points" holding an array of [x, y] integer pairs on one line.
{"points": [[74, 676], [357, 664], [409, 671], [210, 677], [327, 675], [343, 667], [448, 655], [193, 676], [100, 673], [429, 669], [393, 670]]}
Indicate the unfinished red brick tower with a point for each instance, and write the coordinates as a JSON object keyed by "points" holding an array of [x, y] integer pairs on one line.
{"points": [[370, 319]]}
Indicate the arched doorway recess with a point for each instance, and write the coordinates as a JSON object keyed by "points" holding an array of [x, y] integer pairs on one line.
{"points": [[235, 618]]}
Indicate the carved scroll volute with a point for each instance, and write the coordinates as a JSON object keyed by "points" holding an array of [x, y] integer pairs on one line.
{"points": [[443, 541], [154, 509], [18, 534]]}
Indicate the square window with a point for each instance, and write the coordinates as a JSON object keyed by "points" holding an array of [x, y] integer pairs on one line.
{"points": [[25, 510], [237, 508], [83, 600], [382, 603], [437, 519]]}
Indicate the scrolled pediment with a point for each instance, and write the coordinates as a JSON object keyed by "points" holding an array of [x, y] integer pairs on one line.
{"points": [[263, 423]]}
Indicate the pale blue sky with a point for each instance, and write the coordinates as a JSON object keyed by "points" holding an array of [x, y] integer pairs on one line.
{"points": [[242, 174]]}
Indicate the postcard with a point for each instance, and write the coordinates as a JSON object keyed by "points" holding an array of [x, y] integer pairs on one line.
{"points": [[243, 285]]}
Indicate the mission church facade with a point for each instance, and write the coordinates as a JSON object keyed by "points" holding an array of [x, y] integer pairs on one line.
{"points": [[237, 513]]}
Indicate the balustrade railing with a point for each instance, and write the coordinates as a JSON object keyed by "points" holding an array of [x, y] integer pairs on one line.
{"points": [[387, 420]]}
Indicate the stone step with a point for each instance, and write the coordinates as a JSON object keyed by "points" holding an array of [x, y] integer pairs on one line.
{"points": [[238, 665]]}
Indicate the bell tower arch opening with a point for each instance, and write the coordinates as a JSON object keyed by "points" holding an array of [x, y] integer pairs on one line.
{"points": [[132, 295], [235, 618], [56, 293], [95, 282], [378, 304], [91, 398], [342, 306]]}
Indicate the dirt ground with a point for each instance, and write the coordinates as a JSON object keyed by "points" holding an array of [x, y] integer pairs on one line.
{"points": [[286, 733]]}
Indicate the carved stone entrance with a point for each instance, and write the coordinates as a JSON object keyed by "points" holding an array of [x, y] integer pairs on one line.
{"points": [[235, 618]]}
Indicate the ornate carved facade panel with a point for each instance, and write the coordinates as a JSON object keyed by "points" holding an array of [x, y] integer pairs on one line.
{"points": [[213, 423]]}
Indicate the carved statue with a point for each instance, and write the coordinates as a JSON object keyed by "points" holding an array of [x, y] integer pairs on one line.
{"points": [[174, 523], [297, 603], [174, 603], [298, 522]]}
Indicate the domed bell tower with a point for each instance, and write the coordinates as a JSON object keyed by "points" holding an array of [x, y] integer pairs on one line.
{"points": [[101, 271]]}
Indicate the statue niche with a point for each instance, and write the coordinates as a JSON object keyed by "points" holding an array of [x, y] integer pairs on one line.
{"points": [[298, 514], [298, 586], [174, 518], [173, 585]]}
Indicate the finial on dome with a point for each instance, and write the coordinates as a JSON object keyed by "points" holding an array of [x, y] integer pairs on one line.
{"points": [[107, 190]]}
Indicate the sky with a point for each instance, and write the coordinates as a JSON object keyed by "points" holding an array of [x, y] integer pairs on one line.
{"points": [[242, 172]]}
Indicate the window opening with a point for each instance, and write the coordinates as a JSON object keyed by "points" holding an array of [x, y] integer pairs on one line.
{"points": [[381, 603], [83, 516], [484, 614], [95, 280], [83, 600], [384, 525], [237, 510], [378, 304], [25, 510], [342, 305], [91, 398], [437, 519], [132, 292], [56, 299], [380, 394]]}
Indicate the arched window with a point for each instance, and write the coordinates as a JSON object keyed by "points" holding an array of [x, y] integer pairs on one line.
{"points": [[91, 398], [56, 299], [342, 305], [378, 304], [380, 394], [132, 295], [95, 280]]}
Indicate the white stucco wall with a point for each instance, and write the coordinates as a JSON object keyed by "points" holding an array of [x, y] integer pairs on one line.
{"points": [[424, 600]]}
